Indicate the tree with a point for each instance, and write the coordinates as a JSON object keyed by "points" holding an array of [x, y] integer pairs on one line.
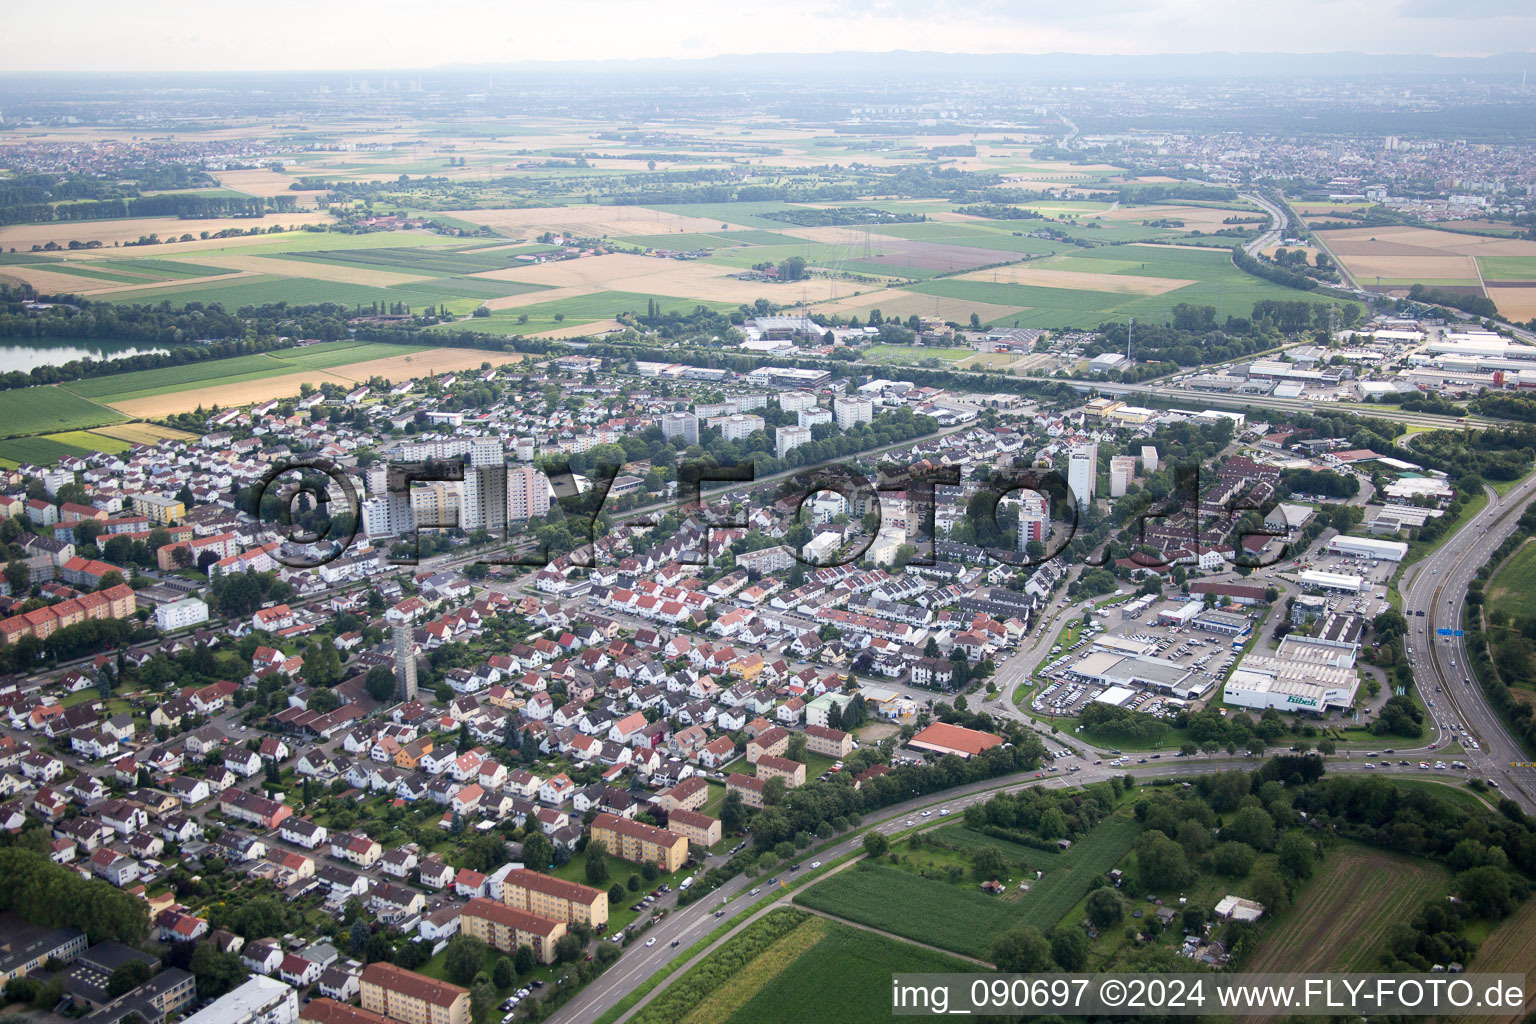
{"points": [[733, 813], [524, 959], [1486, 890], [538, 851], [567, 948], [1160, 861], [773, 791], [876, 844], [616, 893], [988, 863], [1269, 889], [1295, 854], [597, 861], [504, 974], [1234, 860], [380, 683], [482, 1003], [19, 577], [1022, 950], [216, 972], [128, 977], [1104, 907], [1254, 826], [357, 937], [1069, 948], [463, 958]]}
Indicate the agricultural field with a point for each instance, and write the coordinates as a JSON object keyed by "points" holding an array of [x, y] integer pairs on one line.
{"points": [[1341, 918], [787, 978], [48, 410], [1511, 947], [957, 915], [122, 386], [89, 441], [1510, 588], [1504, 269], [142, 433], [1090, 286]]}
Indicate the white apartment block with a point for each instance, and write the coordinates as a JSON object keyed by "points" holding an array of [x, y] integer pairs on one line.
{"points": [[850, 412]]}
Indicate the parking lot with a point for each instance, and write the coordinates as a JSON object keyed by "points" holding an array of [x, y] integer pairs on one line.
{"points": [[1208, 655]]}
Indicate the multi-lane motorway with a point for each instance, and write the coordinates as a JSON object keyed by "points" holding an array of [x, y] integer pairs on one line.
{"points": [[1437, 585]]}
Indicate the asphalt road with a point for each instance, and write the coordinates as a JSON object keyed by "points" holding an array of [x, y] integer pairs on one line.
{"points": [[1437, 585]]}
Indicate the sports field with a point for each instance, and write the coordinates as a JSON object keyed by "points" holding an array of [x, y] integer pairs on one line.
{"points": [[1341, 919]]}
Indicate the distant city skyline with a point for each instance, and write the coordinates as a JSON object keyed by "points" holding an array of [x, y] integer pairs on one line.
{"points": [[157, 35]]}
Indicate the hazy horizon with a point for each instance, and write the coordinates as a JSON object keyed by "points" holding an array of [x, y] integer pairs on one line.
{"points": [[158, 36]]}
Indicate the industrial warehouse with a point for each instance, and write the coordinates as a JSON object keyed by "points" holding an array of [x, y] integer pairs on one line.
{"points": [[1305, 674]]}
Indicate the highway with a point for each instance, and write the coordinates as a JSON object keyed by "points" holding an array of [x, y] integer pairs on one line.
{"points": [[1437, 585], [1272, 235]]}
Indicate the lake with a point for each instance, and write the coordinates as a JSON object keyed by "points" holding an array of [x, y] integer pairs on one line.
{"points": [[25, 353]]}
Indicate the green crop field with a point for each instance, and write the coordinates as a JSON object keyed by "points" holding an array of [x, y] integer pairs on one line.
{"points": [[844, 977], [89, 442], [48, 410], [963, 920], [1512, 586], [37, 449], [438, 262], [140, 383], [576, 310], [340, 353], [957, 915], [1215, 282], [780, 968]]}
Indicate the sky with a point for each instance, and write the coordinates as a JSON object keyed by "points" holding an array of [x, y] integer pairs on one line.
{"points": [[278, 35]]}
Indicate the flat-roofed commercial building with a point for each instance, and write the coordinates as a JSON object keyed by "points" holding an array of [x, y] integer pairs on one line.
{"points": [[640, 843], [259, 1001], [505, 928], [1370, 547], [413, 998], [554, 898], [1137, 672]]}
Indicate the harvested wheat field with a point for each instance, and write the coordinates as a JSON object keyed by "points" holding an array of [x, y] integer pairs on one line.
{"points": [[1514, 303], [623, 272], [1078, 280], [49, 282], [311, 270], [1203, 217], [898, 303], [1342, 916], [142, 433], [580, 330], [586, 221], [1510, 949], [1420, 254], [286, 385], [263, 181], [24, 236]]}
